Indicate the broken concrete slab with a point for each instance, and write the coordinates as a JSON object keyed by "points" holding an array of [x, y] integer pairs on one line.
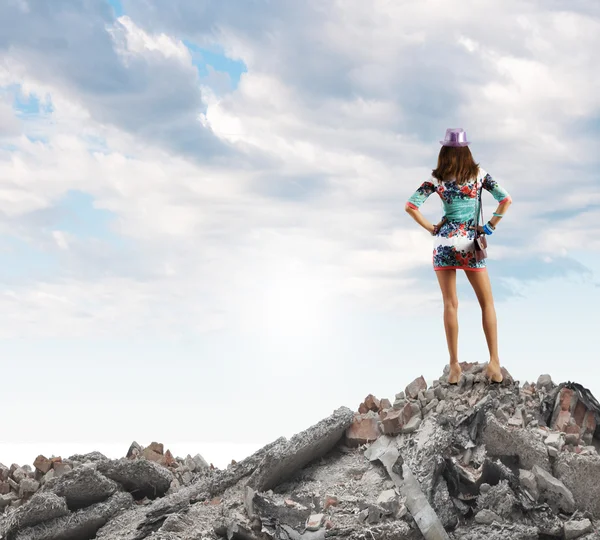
{"points": [[83, 523], [553, 491], [577, 528], [140, 477], [42, 507], [581, 475], [416, 502], [501, 440], [81, 487], [282, 462]]}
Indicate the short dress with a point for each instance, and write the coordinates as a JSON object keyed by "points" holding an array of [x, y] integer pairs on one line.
{"points": [[454, 244]]}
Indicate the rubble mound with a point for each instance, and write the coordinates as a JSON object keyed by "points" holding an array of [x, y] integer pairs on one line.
{"points": [[468, 461]]}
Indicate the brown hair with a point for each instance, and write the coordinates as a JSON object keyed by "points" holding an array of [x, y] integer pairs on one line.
{"points": [[455, 162]]}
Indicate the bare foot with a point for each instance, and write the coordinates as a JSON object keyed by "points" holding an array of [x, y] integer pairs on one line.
{"points": [[493, 372], [454, 375]]}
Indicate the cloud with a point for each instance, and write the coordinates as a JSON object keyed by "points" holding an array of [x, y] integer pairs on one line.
{"points": [[218, 194]]}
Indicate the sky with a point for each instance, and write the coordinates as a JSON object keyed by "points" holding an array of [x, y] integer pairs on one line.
{"points": [[202, 226]]}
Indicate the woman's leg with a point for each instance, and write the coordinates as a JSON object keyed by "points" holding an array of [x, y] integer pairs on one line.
{"points": [[480, 281], [447, 281]]}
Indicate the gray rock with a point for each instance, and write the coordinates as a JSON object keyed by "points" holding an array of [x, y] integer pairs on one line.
{"points": [[487, 517], [19, 474], [284, 460], [89, 457], [83, 523], [499, 498], [140, 477], [553, 490], [412, 425], [556, 440], [28, 486], [575, 529], [528, 482], [431, 405], [545, 382], [500, 441], [581, 475], [81, 487], [200, 462], [40, 508], [440, 392], [429, 394]]}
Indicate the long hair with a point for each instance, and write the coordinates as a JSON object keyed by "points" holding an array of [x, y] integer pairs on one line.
{"points": [[455, 162]]}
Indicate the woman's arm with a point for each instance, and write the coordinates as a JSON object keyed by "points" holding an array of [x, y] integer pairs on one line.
{"points": [[415, 213], [502, 208]]}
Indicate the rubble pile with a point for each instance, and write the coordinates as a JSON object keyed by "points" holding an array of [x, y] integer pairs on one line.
{"points": [[468, 461]]}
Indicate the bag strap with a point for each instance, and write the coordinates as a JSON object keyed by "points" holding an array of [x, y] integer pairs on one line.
{"points": [[480, 209]]}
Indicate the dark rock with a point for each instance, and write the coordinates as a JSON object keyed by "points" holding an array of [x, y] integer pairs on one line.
{"points": [[139, 477], [79, 525], [81, 487], [42, 507]]}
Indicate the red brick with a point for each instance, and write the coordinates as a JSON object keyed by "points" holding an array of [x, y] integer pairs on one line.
{"points": [[579, 413], [363, 409], [42, 464], [589, 423], [562, 420], [362, 430], [330, 501], [572, 428], [157, 447], [393, 422], [151, 455], [385, 403], [566, 399], [168, 458], [4, 488], [412, 390], [372, 403]]}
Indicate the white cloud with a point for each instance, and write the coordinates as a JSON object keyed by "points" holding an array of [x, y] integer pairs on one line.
{"points": [[308, 162]]}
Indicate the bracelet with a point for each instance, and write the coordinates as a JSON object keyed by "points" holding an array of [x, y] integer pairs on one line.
{"points": [[489, 224], [498, 215], [487, 230]]}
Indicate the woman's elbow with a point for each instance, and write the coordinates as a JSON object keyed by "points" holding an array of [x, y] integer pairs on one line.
{"points": [[410, 207]]}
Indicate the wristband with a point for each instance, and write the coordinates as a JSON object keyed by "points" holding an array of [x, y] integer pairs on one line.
{"points": [[498, 215], [487, 230]]}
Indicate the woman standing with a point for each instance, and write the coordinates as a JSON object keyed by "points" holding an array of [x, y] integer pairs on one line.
{"points": [[458, 181]]}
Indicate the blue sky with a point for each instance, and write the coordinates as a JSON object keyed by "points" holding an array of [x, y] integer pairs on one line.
{"points": [[201, 209]]}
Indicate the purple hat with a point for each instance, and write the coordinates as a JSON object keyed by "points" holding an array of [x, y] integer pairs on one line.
{"points": [[455, 137]]}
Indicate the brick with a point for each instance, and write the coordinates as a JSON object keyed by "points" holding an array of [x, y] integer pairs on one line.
{"points": [[363, 409], [42, 464], [157, 447], [566, 399], [385, 403], [362, 430], [151, 455], [412, 390], [330, 501], [372, 403], [579, 413], [589, 423], [393, 422], [61, 468], [562, 420], [572, 429], [4, 488]]}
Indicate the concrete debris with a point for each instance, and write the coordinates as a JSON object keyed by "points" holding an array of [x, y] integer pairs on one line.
{"points": [[283, 461], [466, 461], [576, 529], [141, 478]]}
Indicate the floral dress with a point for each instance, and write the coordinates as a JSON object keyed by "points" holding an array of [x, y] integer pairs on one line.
{"points": [[454, 244]]}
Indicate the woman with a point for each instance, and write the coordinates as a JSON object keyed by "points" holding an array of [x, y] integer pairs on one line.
{"points": [[458, 181]]}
